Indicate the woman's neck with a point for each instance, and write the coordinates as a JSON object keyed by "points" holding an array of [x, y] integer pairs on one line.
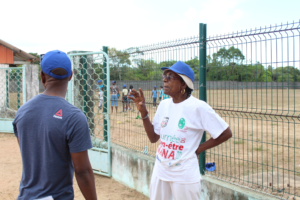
{"points": [[180, 98]]}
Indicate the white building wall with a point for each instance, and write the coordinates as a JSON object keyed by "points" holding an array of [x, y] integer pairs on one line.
{"points": [[3, 87]]}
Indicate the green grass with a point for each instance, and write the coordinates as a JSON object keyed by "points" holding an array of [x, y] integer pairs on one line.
{"points": [[238, 142], [258, 148]]}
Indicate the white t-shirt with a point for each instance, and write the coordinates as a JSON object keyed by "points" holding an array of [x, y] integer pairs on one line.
{"points": [[181, 127], [101, 94]]}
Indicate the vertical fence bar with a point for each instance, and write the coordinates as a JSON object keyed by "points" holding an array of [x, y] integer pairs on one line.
{"points": [[84, 83], [7, 90], [18, 90], [105, 97], [202, 83], [24, 84], [70, 85]]}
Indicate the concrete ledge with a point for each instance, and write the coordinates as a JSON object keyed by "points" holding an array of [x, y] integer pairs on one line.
{"points": [[214, 189], [131, 168], [134, 170]]}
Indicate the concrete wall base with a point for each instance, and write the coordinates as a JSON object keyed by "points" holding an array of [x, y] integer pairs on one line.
{"points": [[134, 170], [213, 189]]}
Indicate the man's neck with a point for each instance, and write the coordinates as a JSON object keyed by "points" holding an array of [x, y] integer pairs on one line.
{"points": [[55, 92]]}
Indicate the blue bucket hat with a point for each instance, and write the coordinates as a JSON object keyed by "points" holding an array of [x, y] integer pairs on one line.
{"points": [[124, 85], [100, 81], [56, 59], [184, 71]]}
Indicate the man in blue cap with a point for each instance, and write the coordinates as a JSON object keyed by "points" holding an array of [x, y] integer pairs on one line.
{"points": [[54, 137], [99, 86], [99, 89], [115, 94], [154, 96], [124, 98]]}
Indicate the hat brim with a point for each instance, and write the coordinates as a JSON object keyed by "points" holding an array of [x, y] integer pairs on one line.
{"points": [[186, 79]]}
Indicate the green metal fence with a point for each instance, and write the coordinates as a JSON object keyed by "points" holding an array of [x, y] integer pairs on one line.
{"points": [[254, 84], [252, 81], [12, 94]]}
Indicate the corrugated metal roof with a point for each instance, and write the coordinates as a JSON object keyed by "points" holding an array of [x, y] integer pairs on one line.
{"points": [[18, 54]]}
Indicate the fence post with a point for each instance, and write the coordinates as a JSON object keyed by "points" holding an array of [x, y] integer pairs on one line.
{"points": [[18, 77], [7, 90], [202, 83], [105, 49], [84, 83]]}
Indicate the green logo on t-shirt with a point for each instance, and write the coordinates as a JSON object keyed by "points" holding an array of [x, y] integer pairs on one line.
{"points": [[181, 123]]}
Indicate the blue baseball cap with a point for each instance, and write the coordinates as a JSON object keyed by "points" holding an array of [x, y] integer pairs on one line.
{"points": [[154, 85], [184, 71], [113, 81], [124, 85], [99, 81], [56, 59]]}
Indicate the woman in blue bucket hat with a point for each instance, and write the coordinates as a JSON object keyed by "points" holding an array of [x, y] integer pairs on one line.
{"points": [[179, 123]]}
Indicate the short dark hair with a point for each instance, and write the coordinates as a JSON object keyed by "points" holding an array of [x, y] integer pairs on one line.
{"points": [[130, 87], [187, 89]]}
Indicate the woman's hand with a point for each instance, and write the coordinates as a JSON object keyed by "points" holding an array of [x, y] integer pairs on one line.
{"points": [[139, 100]]}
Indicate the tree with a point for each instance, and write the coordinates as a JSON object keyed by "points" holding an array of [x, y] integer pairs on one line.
{"points": [[118, 59], [36, 55], [225, 57]]}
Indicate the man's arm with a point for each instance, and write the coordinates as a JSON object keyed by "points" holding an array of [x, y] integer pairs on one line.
{"points": [[225, 135], [84, 174]]}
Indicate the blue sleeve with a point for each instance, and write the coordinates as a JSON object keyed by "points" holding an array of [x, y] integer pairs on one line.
{"points": [[78, 134], [15, 128], [14, 123]]}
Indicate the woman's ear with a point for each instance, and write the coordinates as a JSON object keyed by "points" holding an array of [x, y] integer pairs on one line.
{"points": [[183, 85]]}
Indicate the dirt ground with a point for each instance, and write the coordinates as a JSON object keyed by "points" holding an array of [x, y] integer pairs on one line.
{"points": [[11, 171]]}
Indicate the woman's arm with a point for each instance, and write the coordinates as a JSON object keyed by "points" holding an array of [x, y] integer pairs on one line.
{"points": [[225, 135], [139, 101]]}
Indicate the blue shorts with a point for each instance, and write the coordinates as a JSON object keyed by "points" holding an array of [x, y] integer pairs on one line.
{"points": [[114, 100], [129, 100]]}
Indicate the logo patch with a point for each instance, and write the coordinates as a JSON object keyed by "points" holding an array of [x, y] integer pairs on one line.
{"points": [[58, 114], [181, 123], [164, 122]]}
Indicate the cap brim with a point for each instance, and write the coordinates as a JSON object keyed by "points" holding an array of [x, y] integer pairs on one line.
{"points": [[163, 68], [186, 79]]}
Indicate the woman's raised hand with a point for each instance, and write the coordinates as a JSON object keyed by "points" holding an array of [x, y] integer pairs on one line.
{"points": [[139, 100]]}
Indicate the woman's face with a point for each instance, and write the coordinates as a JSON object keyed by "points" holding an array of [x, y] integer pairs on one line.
{"points": [[173, 86]]}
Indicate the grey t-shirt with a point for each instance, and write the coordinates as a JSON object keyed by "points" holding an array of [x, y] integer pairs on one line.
{"points": [[49, 129]]}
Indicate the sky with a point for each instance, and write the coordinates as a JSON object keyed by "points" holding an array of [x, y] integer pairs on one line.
{"points": [[40, 26]]}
